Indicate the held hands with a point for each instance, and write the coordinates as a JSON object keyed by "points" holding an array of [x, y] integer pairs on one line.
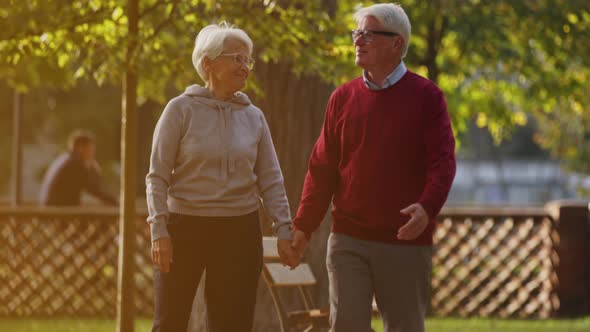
{"points": [[286, 253], [417, 223], [299, 244], [162, 253], [291, 251]]}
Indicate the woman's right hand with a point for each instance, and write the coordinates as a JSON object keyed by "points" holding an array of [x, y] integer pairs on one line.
{"points": [[162, 253]]}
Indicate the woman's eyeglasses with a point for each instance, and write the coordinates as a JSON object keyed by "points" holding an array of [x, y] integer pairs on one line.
{"points": [[241, 59]]}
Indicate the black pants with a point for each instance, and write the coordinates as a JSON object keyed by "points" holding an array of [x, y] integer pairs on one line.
{"points": [[230, 250]]}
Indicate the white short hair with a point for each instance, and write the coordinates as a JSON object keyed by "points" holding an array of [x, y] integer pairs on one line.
{"points": [[392, 17], [210, 42]]}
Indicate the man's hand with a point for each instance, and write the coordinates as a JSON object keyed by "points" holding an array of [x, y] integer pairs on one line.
{"points": [[287, 254], [417, 223], [299, 244], [162, 253]]}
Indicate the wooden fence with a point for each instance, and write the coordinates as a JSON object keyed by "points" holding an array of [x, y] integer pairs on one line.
{"points": [[487, 263], [495, 263], [57, 262]]}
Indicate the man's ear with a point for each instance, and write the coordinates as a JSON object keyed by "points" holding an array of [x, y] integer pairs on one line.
{"points": [[399, 43]]}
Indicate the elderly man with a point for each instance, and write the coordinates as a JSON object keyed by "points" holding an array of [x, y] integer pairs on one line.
{"points": [[385, 158]]}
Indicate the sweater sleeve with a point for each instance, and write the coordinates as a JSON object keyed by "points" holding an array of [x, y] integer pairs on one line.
{"points": [[271, 185], [440, 152], [322, 175], [166, 141]]}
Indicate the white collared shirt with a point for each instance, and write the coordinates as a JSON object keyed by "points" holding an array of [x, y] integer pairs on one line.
{"points": [[390, 80]]}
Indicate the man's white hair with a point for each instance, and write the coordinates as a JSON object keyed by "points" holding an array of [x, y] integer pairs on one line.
{"points": [[393, 18], [210, 41]]}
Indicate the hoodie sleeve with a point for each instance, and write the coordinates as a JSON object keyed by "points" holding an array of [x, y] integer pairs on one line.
{"points": [[165, 143], [270, 184]]}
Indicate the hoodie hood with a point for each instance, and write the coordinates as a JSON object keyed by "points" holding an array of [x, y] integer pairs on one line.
{"points": [[204, 95]]}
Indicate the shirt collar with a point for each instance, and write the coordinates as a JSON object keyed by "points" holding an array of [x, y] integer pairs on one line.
{"points": [[390, 80]]}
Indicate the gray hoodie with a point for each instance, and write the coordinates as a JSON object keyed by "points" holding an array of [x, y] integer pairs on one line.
{"points": [[214, 158]]}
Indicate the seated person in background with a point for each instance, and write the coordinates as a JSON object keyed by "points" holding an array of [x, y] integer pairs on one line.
{"points": [[72, 172]]}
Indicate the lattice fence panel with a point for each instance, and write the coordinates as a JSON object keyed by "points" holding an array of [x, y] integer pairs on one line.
{"points": [[66, 265], [494, 267], [58, 266]]}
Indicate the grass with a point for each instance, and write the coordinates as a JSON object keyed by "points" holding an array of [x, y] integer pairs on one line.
{"points": [[492, 325], [432, 325], [67, 325]]}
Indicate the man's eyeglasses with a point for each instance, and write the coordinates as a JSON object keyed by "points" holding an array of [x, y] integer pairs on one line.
{"points": [[241, 59], [369, 35]]}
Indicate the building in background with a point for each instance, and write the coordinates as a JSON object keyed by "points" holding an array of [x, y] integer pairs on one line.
{"points": [[511, 182]]}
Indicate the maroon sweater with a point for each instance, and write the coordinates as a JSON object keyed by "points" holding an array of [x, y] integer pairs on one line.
{"points": [[378, 152]]}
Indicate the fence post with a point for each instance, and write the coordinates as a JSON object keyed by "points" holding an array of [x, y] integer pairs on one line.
{"points": [[573, 250], [17, 149]]}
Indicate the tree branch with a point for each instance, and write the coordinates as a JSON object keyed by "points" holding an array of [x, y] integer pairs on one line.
{"points": [[93, 17], [154, 7], [165, 22]]}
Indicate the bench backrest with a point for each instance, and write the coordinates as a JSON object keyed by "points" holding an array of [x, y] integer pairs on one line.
{"points": [[269, 249], [283, 276]]}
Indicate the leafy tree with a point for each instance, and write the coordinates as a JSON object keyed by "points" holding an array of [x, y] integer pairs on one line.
{"points": [[498, 62]]}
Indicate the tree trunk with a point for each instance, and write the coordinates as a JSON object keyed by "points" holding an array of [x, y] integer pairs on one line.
{"points": [[17, 149], [126, 271], [294, 108], [436, 30]]}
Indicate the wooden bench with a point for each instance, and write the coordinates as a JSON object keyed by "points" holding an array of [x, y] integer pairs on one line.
{"points": [[280, 279]]}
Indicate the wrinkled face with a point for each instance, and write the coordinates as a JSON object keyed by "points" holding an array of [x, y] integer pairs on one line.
{"points": [[229, 70], [381, 50]]}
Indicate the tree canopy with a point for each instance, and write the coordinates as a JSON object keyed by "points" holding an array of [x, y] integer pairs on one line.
{"points": [[498, 62]]}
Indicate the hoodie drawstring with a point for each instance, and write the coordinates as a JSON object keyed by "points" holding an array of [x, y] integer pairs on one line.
{"points": [[228, 162], [231, 160]]}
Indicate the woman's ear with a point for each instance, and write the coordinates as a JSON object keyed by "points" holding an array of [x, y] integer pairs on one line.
{"points": [[206, 63]]}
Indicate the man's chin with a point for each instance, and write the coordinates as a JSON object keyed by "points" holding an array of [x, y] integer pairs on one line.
{"points": [[359, 62]]}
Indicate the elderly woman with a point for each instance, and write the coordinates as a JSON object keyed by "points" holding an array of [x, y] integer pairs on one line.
{"points": [[212, 159]]}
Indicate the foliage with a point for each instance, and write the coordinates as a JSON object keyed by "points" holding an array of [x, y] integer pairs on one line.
{"points": [[499, 62], [66, 40]]}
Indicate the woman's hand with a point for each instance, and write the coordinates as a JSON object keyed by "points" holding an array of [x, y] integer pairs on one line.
{"points": [[162, 253]]}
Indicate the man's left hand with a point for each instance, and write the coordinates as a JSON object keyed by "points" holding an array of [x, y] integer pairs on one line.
{"points": [[417, 223], [299, 244], [287, 254]]}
